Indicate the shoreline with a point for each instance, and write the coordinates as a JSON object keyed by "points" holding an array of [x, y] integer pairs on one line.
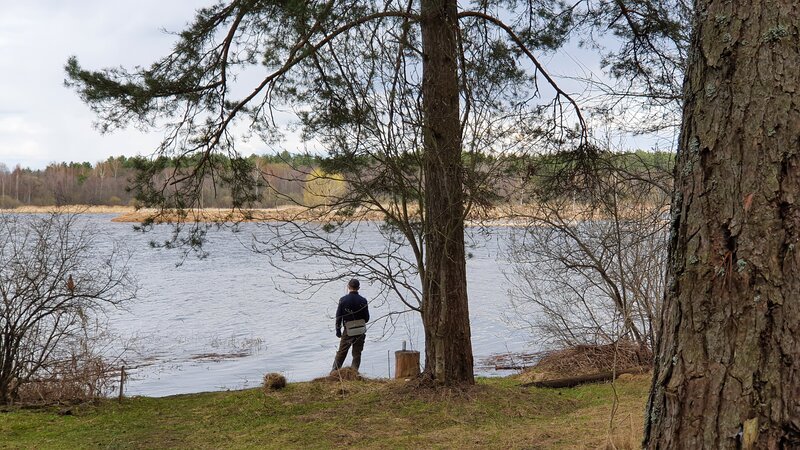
{"points": [[129, 214], [502, 216]]}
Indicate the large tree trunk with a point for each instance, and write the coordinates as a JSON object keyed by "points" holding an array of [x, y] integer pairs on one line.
{"points": [[728, 368], [445, 312]]}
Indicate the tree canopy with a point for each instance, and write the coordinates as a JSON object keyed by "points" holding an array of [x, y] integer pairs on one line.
{"points": [[396, 93]]}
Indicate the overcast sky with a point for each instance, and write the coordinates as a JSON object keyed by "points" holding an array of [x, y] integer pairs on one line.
{"points": [[41, 121]]}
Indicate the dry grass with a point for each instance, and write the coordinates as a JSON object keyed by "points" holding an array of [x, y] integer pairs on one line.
{"points": [[72, 381], [588, 359], [343, 374], [273, 382], [501, 215], [220, 215]]}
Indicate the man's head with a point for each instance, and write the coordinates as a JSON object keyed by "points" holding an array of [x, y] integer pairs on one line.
{"points": [[353, 285]]}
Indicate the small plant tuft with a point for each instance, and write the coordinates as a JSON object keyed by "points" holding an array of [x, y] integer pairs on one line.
{"points": [[273, 382], [345, 374]]}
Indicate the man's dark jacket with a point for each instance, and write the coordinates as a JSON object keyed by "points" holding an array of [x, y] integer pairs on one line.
{"points": [[351, 307]]}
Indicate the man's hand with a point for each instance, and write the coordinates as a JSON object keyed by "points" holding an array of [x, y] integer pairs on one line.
{"points": [[338, 333]]}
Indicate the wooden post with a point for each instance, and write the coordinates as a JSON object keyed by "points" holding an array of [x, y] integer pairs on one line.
{"points": [[406, 363], [121, 383]]}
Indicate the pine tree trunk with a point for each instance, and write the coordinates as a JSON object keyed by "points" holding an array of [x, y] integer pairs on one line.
{"points": [[445, 312], [727, 373]]}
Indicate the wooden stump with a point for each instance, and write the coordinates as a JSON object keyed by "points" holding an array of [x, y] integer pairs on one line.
{"points": [[406, 363]]}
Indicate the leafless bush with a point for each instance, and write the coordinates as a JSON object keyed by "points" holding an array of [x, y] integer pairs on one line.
{"points": [[53, 281], [589, 266], [81, 375], [587, 359]]}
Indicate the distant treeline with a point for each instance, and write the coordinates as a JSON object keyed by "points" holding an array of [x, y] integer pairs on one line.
{"points": [[108, 182]]}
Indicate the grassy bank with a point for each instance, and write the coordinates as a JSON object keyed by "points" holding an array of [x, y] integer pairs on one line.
{"points": [[497, 413]]}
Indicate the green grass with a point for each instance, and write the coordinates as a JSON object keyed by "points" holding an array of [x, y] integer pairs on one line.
{"points": [[497, 413]]}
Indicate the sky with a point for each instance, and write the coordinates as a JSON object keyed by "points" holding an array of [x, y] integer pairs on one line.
{"points": [[42, 121]]}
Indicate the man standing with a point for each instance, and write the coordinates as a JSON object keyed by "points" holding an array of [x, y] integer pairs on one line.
{"points": [[353, 312]]}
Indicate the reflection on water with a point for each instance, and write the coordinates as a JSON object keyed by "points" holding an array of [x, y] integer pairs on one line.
{"points": [[222, 322]]}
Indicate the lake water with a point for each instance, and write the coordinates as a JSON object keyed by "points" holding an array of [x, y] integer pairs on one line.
{"points": [[223, 322]]}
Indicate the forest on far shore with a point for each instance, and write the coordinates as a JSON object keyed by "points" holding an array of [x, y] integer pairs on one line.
{"points": [[109, 182], [283, 178]]}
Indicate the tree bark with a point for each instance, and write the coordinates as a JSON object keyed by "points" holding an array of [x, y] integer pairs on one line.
{"points": [[727, 373], [445, 312]]}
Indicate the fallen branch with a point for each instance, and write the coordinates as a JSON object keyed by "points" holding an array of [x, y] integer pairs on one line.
{"points": [[574, 381], [511, 367]]}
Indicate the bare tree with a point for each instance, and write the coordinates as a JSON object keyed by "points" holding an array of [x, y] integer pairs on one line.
{"points": [[3, 175], [52, 281], [589, 265]]}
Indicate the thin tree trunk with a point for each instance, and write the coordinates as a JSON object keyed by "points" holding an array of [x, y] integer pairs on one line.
{"points": [[445, 311], [6, 368], [727, 373]]}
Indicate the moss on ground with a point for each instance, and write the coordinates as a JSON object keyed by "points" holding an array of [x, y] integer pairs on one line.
{"points": [[496, 413]]}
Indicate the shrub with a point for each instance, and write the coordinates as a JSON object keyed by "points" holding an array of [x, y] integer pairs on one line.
{"points": [[274, 381], [7, 202], [80, 377], [56, 281]]}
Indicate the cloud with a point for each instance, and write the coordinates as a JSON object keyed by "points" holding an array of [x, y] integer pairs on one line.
{"points": [[25, 152], [16, 125], [42, 121], [21, 141]]}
